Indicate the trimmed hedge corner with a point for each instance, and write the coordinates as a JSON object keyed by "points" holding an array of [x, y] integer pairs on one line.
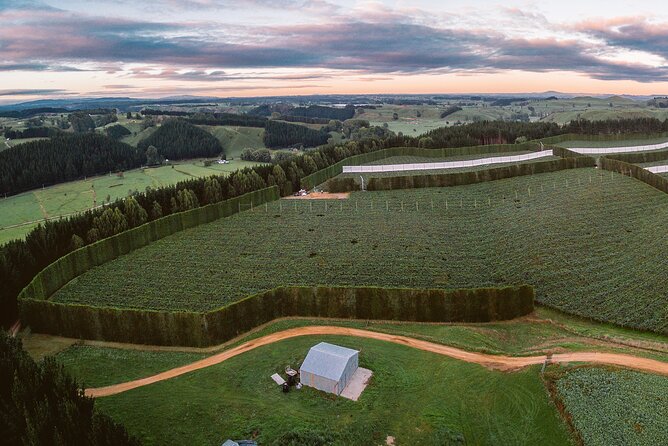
{"points": [[637, 172], [66, 268]]}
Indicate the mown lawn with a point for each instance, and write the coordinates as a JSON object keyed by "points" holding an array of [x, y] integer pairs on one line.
{"points": [[417, 397], [101, 366], [591, 244]]}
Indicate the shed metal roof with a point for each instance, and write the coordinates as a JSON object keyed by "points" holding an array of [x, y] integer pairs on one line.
{"points": [[328, 360]]}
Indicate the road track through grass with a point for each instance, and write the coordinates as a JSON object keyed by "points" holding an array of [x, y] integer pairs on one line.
{"points": [[505, 363]]}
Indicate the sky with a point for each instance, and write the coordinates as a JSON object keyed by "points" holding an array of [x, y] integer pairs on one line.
{"points": [[225, 48]]}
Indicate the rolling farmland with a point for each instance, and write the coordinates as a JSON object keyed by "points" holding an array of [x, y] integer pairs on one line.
{"points": [[16, 212], [575, 235]]}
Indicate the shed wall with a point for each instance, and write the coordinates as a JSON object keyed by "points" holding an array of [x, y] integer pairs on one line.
{"points": [[318, 382], [348, 373], [329, 385]]}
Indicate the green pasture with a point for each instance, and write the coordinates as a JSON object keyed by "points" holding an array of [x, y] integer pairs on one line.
{"points": [[584, 238], [480, 113], [416, 397], [102, 366], [411, 126], [408, 122], [77, 196], [235, 139], [4, 144]]}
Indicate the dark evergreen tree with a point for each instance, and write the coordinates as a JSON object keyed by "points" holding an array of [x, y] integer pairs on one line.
{"points": [[282, 134], [63, 158], [179, 139], [40, 404], [81, 122], [117, 131]]}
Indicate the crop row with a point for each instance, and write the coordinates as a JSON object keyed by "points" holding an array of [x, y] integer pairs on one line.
{"points": [[592, 243], [616, 407]]}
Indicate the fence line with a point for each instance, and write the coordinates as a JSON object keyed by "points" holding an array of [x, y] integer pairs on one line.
{"points": [[658, 169], [531, 190], [608, 150], [447, 165]]}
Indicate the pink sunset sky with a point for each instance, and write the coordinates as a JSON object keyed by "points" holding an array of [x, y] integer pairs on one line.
{"points": [[293, 47]]}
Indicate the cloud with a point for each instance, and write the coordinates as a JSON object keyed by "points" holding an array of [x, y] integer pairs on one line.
{"points": [[379, 41], [33, 92], [634, 33], [35, 66], [119, 87]]}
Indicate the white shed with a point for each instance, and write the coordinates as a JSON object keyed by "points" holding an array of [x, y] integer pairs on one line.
{"points": [[328, 367]]}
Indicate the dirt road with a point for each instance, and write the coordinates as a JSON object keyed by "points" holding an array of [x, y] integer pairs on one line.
{"points": [[490, 361]]}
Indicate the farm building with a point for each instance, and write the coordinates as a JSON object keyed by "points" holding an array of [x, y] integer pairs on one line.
{"points": [[328, 367]]}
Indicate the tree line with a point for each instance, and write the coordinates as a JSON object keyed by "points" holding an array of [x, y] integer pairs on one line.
{"points": [[319, 111], [32, 132], [304, 119], [42, 405], [450, 110], [30, 112], [282, 134], [277, 134], [489, 132], [67, 156], [199, 118], [315, 112], [21, 260], [117, 131], [179, 139], [64, 157]]}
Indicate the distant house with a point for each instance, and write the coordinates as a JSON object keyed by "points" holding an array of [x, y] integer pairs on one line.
{"points": [[328, 367]]}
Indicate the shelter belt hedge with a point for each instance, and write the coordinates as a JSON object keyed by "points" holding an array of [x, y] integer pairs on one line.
{"points": [[202, 329]]}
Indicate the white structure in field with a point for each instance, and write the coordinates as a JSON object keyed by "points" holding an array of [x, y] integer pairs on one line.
{"points": [[447, 165], [329, 368], [622, 149]]}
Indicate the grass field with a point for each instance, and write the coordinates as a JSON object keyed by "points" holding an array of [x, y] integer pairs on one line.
{"points": [[417, 397], [235, 139], [411, 126], [408, 121], [78, 196], [616, 407], [100, 366], [586, 242], [4, 144]]}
